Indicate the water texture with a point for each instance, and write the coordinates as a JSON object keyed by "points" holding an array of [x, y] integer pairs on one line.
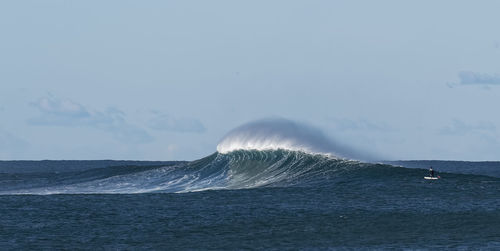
{"points": [[273, 199]]}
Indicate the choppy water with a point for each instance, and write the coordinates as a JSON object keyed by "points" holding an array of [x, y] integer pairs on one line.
{"points": [[249, 199]]}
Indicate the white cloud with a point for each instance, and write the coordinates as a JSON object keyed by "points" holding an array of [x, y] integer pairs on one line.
{"points": [[165, 122], [475, 78], [64, 112], [62, 107]]}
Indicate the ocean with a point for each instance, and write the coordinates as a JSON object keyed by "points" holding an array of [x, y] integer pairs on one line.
{"points": [[249, 199]]}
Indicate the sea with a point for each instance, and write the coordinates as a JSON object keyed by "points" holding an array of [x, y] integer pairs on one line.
{"points": [[249, 200]]}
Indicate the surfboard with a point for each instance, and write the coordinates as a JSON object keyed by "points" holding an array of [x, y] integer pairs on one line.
{"points": [[430, 178]]}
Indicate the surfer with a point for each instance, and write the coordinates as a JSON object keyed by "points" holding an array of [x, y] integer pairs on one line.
{"points": [[431, 172]]}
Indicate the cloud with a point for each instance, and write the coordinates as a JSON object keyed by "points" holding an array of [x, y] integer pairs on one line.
{"points": [[459, 127], [475, 78], [67, 113], [64, 107], [164, 122]]}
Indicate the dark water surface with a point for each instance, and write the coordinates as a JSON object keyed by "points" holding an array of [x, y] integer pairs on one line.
{"points": [[354, 207]]}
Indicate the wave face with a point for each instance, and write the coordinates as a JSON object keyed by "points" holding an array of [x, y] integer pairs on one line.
{"points": [[234, 170]]}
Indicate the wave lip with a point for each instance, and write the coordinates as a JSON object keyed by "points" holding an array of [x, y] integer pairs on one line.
{"points": [[261, 143], [281, 134]]}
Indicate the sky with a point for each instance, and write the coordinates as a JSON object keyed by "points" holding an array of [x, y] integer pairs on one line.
{"points": [[166, 80]]}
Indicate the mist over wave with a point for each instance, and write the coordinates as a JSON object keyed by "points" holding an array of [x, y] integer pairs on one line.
{"points": [[278, 133]]}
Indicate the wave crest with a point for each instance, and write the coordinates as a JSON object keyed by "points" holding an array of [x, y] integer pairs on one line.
{"points": [[282, 134]]}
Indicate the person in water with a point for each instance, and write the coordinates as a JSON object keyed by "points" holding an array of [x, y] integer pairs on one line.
{"points": [[431, 172]]}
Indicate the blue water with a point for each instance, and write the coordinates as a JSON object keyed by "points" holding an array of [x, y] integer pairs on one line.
{"points": [[248, 199]]}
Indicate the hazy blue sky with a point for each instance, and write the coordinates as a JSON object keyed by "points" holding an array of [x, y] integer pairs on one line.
{"points": [[163, 80]]}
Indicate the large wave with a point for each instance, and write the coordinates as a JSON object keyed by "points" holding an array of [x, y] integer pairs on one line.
{"points": [[269, 152]]}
